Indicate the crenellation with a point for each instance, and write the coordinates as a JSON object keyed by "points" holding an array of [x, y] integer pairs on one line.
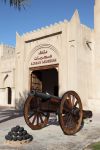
{"points": [[7, 46], [42, 29], [55, 23], [7, 51], [60, 22], [66, 21], [86, 28], [38, 29], [47, 27], [51, 25]]}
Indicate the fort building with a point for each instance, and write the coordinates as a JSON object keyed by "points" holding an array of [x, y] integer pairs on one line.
{"points": [[54, 59]]}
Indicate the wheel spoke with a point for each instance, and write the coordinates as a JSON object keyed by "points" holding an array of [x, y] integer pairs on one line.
{"points": [[73, 123], [37, 119], [69, 121], [41, 118], [44, 114], [73, 99], [69, 105], [75, 103], [34, 119], [31, 115], [65, 104]]}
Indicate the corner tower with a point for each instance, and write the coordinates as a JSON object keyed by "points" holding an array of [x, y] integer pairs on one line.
{"points": [[97, 49], [97, 16]]}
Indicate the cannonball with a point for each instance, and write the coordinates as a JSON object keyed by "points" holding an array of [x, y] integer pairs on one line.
{"points": [[12, 129], [24, 138], [15, 138], [7, 137], [31, 137], [10, 138], [20, 138], [20, 133], [18, 127], [15, 133], [24, 132], [9, 133], [21, 129], [27, 136]]}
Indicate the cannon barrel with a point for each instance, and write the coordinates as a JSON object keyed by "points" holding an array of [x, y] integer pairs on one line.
{"points": [[44, 96]]}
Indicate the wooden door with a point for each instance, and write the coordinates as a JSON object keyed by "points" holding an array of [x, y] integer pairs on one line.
{"points": [[36, 82]]}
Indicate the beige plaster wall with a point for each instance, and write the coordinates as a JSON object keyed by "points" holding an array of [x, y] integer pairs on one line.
{"points": [[7, 73], [26, 51], [75, 57]]}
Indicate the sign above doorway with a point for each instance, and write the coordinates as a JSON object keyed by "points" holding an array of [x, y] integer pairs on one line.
{"points": [[43, 56]]}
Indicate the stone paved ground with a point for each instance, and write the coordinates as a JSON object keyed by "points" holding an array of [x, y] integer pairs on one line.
{"points": [[49, 138]]}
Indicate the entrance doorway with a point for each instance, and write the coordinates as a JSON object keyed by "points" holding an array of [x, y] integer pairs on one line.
{"points": [[45, 80]]}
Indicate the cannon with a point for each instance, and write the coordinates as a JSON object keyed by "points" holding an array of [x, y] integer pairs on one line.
{"points": [[38, 106]]}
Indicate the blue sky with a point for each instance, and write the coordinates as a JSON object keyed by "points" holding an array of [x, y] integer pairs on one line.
{"points": [[40, 13]]}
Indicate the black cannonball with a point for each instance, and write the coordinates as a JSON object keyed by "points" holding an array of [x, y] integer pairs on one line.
{"points": [[24, 138], [9, 133], [24, 132], [20, 133], [7, 137], [21, 129], [15, 133], [10, 138], [20, 138], [31, 137], [27, 136], [12, 129], [15, 138], [18, 127]]}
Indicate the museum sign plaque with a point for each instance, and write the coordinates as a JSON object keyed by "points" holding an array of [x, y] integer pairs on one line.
{"points": [[44, 56]]}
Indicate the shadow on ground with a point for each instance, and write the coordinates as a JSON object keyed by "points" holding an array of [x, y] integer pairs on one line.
{"points": [[53, 122], [8, 114]]}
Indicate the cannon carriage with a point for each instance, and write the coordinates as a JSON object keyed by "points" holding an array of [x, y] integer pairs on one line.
{"points": [[38, 107]]}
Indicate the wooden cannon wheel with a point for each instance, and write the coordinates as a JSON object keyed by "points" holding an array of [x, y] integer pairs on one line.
{"points": [[34, 117], [70, 116]]}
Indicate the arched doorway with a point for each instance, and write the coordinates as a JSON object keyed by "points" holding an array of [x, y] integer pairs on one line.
{"points": [[45, 80]]}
